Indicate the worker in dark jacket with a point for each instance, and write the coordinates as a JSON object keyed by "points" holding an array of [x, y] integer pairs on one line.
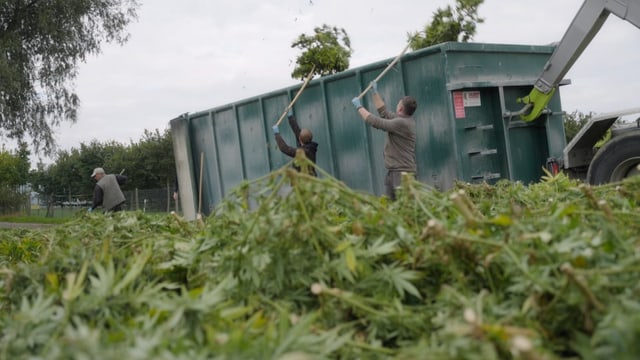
{"points": [[304, 141], [107, 192]]}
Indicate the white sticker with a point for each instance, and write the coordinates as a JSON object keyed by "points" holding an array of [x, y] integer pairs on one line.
{"points": [[471, 98]]}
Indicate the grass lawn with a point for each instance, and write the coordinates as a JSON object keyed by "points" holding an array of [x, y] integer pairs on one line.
{"points": [[39, 216], [60, 216]]}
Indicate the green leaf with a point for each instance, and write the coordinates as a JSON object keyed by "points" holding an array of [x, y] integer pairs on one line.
{"points": [[502, 220], [350, 258]]}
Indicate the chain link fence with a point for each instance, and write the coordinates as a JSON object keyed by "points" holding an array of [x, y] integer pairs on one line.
{"points": [[146, 200], [14, 199], [150, 200]]}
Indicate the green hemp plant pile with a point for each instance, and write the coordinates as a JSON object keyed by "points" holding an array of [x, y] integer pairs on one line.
{"points": [[291, 266]]}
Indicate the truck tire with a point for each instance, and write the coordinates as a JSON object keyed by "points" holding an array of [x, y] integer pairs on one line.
{"points": [[617, 159]]}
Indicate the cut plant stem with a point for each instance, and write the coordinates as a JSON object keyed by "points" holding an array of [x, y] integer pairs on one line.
{"points": [[588, 192], [470, 204], [464, 209], [602, 204], [582, 285]]}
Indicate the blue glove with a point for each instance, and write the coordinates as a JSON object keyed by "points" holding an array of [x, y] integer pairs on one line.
{"points": [[356, 102], [374, 86], [275, 129], [290, 113]]}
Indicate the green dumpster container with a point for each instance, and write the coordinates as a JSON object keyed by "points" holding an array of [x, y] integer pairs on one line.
{"points": [[467, 126]]}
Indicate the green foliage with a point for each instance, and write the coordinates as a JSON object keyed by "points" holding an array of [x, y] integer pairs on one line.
{"points": [[329, 50], [148, 163], [34, 219], [573, 122], [449, 24], [14, 167], [14, 171], [41, 45], [11, 200], [293, 266]]}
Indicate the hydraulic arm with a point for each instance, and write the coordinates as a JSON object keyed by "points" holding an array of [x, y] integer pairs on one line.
{"points": [[583, 28]]}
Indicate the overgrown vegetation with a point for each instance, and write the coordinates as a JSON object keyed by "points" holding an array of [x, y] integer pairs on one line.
{"points": [[11, 200], [573, 122], [293, 266], [149, 163], [18, 219], [14, 171], [458, 23], [325, 52], [41, 45]]}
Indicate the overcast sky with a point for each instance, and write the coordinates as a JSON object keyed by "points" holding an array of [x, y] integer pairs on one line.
{"points": [[192, 55]]}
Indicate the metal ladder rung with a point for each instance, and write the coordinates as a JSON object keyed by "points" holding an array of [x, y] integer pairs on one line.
{"points": [[483, 152], [479, 127], [490, 176]]}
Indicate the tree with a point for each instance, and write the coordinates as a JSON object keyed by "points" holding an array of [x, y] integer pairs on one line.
{"points": [[449, 24], [43, 181], [151, 162], [148, 163], [573, 122], [14, 167], [14, 171], [329, 50], [41, 45]]}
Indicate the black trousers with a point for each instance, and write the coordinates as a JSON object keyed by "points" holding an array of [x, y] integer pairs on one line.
{"points": [[391, 182], [116, 208]]}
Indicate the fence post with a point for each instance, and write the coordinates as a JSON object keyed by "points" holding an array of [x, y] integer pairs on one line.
{"points": [[28, 203], [136, 197], [168, 197]]}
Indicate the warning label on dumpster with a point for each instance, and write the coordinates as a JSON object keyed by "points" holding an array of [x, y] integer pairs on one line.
{"points": [[458, 104], [471, 98], [462, 99]]}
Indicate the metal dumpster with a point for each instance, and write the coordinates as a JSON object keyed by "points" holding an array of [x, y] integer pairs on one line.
{"points": [[467, 129]]}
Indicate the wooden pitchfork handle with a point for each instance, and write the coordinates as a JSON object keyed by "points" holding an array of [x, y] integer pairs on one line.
{"points": [[286, 110], [385, 70]]}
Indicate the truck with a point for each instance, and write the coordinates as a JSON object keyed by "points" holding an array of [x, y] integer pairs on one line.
{"points": [[620, 156], [485, 113]]}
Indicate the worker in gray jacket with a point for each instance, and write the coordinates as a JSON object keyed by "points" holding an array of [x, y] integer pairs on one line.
{"points": [[107, 192], [400, 145]]}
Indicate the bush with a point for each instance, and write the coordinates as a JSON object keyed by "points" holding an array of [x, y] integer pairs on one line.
{"points": [[11, 200]]}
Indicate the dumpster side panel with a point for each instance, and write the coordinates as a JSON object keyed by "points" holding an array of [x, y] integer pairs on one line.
{"points": [[227, 139], [485, 81], [348, 134], [555, 135], [184, 169], [435, 154], [253, 142], [205, 160], [272, 107], [479, 135], [492, 64], [528, 164], [483, 144]]}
